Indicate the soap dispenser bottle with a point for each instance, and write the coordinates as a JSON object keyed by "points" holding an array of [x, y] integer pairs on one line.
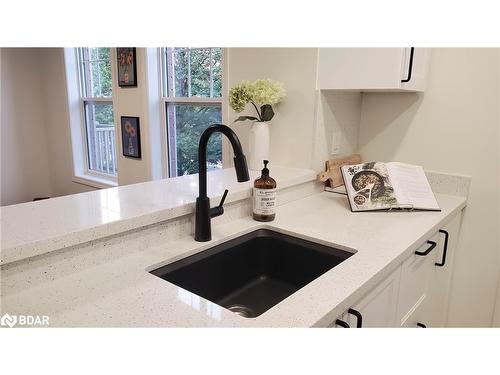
{"points": [[264, 196]]}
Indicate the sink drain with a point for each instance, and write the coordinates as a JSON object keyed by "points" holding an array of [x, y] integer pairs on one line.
{"points": [[242, 310]]}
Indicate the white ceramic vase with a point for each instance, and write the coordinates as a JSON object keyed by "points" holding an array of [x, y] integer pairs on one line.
{"points": [[258, 145]]}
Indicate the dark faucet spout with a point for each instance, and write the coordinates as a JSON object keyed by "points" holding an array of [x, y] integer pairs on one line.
{"points": [[203, 210], [239, 158]]}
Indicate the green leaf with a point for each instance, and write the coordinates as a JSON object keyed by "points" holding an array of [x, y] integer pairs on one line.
{"points": [[243, 118], [266, 112]]}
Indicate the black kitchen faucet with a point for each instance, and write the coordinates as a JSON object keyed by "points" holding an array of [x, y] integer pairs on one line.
{"points": [[204, 213]]}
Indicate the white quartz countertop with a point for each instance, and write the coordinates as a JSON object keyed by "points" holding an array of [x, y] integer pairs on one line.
{"points": [[117, 291], [35, 228]]}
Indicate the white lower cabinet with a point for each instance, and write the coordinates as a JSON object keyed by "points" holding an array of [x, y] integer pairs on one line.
{"points": [[427, 287], [378, 308], [416, 294], [416, 272], [436, 313], [416, 317]]}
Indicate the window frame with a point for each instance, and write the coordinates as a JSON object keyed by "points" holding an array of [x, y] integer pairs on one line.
{"points": [[170, 100], [86, 175]]}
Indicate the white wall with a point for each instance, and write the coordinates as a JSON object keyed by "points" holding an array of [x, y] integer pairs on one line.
{"points": [[56, 115], [143, 102], [496, 322], [452, 127], [36, 145], [25, 162], [291, 129], [131, 101], [337, 116], [302, 130]]}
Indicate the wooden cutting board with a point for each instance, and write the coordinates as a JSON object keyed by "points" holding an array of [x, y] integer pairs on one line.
{"points": [[332, 175]]}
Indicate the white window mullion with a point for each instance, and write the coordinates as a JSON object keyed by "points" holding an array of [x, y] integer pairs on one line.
{"points": [[211, 67], [81, 73], [170, 79], [173, 141], [88, 73], [104, 99], [189, 71], [99, 78], [89, 135], [193, 100], [113, 158]]}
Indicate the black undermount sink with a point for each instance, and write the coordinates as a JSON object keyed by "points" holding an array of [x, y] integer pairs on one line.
{"points": [[250, 274]]}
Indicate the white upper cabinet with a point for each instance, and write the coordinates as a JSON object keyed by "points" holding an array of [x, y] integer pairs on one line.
{"points": [[372, 69]]}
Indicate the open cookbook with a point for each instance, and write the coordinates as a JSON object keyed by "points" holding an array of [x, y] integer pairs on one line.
{"points": [[387, 186]]}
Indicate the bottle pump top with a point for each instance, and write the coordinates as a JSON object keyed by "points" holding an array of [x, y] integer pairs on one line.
{"points": [[265, 171]]}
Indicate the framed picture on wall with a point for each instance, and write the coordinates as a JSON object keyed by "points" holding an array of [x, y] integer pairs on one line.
{"points": [[127, 67], [131, 137]]}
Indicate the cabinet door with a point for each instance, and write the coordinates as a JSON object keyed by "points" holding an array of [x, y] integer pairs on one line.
{"points": [[359, 68], [342, 318], [440, 278], [416, 317], [378, 307], [416, 272], [417, 72], [372, 69]]}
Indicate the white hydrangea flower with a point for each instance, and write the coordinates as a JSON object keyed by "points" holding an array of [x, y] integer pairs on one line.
{"points": [[267, 91], [262, 92]]}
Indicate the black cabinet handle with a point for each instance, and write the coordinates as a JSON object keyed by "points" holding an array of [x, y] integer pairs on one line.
{"points": [[342, 323], [424, 253], [410, 66], [421, 325], [446, 235], [359, 317]]}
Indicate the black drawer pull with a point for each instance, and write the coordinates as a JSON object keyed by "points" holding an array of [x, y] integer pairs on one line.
{"points": [[410, 66], [342, 323], [424, 253], [446, 235], [359, 317], [421, 325]]}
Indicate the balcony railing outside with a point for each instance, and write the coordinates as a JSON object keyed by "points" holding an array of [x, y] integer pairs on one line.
{"points": [[104, 157]]}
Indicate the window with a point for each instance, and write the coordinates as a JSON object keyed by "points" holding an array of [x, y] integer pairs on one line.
{"points": [[193, 97], [96, 91]]}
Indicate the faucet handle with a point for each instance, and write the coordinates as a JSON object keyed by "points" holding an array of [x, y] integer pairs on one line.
{"points": [[219, 210], [223, 198]]}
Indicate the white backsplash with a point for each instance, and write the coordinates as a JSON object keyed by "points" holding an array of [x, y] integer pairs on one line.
{"points": [[447, 183]]}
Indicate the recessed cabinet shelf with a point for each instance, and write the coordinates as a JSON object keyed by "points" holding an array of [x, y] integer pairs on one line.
{"points": [[373, 69]]}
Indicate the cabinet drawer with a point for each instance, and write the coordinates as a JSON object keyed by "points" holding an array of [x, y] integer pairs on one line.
{"points": [[342, 318], [378, 307], [416, 315], [415, 275]]}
